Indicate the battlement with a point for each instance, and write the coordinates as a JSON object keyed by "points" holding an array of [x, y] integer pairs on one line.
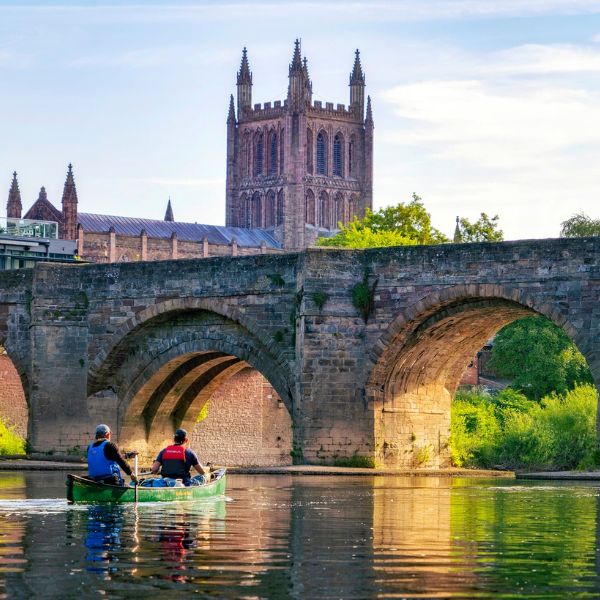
{"points": [[267, 110], [340, 110]]}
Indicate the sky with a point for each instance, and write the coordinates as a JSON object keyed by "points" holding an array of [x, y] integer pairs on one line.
{"points": [[479, 105]]}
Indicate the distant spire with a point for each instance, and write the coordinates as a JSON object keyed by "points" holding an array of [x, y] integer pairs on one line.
{"points": [[357, 76], [169, 213], [231, 113], [244, 75], [457, 234], [68, 226], [42, 195], [296, 64], [369, 117], [305, 67], [14, 206]]}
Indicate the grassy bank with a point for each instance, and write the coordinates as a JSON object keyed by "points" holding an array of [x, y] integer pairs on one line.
{"points": [[10, 442], [509, 431]]}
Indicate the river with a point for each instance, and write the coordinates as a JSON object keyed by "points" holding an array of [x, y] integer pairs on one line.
{"points": [[284, 536]]}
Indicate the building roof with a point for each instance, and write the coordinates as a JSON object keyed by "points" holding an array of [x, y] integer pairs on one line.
{"points": [[193, 232]]}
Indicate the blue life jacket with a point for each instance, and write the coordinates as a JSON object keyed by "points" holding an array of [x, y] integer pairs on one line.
{"points": [[98, 465]]}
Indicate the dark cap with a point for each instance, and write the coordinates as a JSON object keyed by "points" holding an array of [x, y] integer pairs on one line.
{"points": [[102, 430], [180, 436]]}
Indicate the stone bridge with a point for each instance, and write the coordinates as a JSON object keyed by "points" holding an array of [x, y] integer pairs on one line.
{"points": [[365, 348]]}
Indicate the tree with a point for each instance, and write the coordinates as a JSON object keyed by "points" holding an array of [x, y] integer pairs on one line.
{"points": [[538, 357], [485, 229], [580, 225], [400, 225]]}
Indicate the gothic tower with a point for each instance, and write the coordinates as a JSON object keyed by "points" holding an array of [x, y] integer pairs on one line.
{"points": [[14, 206], [298, 168], [68, 225]]}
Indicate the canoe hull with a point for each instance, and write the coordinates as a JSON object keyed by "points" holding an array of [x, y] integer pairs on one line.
{"points": [[82, 490]]}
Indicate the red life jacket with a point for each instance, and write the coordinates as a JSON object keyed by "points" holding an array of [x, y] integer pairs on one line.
{"points": [[173, 462]]}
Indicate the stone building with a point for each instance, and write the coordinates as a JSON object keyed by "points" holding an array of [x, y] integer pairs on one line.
{"points": [[298, 167]]}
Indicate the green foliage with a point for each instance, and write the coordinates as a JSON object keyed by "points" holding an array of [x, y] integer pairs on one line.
{"points": [[319, 298], [278, 336], [580, 225], [203, 413], [510, 432], [361, 462], [400, 225], [538, 357], [363, 296], [485, 229], [10, 442]]}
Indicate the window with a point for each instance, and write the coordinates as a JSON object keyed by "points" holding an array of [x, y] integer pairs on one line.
{"points": [[340, 213], [338, 156], [255, 211], [351, 151], [260, 154], [270, 209], [247, 155], [321, 154], [310, 208], [281, 151], [242, 220], [280, 207], [325, 218], [309, 151], [273, 154]]}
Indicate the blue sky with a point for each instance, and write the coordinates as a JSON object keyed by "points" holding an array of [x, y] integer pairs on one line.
{"points": [[479, 105]]}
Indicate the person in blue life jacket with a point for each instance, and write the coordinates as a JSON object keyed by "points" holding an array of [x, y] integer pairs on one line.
{"points": [[176, 461], [105, 461]]}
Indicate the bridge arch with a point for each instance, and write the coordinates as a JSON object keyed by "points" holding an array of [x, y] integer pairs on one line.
{"points": [[415, 366], [166, 367]]}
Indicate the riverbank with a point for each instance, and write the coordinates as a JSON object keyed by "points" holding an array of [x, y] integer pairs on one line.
{"points": [[26, 464]]}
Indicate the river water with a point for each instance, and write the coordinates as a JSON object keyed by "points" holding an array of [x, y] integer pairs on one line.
{"points": [[306, 537]]}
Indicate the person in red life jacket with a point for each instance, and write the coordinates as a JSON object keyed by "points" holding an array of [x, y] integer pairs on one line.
{"points": [[176, 461], [104, 459]]}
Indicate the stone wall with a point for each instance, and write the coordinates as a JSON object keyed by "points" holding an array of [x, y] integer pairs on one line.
{"points": [[247, 424], [13, 406]]}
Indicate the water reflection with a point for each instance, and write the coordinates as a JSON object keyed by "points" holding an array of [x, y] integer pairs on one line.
{"points": [[306, 537]]}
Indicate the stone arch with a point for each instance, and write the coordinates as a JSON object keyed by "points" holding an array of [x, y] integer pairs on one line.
{"points": [[14, 393], [255, 210], [168, 365], [310, 208], [242, 217], [414, 368]]}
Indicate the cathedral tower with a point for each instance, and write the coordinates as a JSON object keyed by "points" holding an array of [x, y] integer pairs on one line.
{"points": [[14, 206], [298, 167]]}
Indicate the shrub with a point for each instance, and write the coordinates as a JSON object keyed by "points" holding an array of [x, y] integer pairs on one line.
{"points": [[10, 442]]}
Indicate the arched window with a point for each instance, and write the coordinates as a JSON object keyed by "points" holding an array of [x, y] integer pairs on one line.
{"points": [[324, 213], [242, 219], [281, 150], [352, 207], [351, 153], [259, 157], [340, 212], [338, 156], [255, 211], [309, 151], [270, 209], [273, 154], [280, 207], [247, 155], [310, 208], [321, 154]]}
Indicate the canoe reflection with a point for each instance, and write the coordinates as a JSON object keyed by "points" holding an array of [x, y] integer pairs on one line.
{"points": [[103, 537]]}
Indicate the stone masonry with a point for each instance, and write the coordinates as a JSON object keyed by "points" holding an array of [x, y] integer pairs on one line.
{"points": [[152, 342]]}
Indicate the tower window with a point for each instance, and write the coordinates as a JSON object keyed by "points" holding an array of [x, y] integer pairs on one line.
{"points": [[260, 155], [321, 154], [309, 151], [338, 156], [273, 154], [351, 168]]}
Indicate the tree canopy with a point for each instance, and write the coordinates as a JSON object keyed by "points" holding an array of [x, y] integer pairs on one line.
{"points": [[538, 357], [485, 229], [580, 225], [406, 224]]}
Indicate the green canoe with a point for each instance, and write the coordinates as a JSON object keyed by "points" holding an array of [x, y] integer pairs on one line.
{"points": [[82, 489]]}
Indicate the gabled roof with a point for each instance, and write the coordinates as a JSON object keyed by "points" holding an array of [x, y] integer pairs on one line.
{"points": [[193, 232]]}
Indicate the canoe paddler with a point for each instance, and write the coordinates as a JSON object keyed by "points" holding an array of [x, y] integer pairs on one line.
{"points": [[176, 461], [105, 461]]}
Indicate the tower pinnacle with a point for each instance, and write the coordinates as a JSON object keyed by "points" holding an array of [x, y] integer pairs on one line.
{"points": [[231, 114], [357, 76], [296, 64], [357, 87], [369, 117], [69, 207], [14, 206], [244, 84], [169, 213]]}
